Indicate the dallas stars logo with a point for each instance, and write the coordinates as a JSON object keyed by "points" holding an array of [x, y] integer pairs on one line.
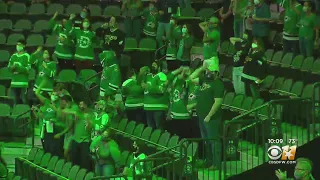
{"points": [[41, 73], [151, 24], [176, 95], [287, 18], [191, 97], [49, 110]]}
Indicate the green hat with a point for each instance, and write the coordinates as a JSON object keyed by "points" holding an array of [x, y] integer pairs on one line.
{"points": [[162, 77], [214, 20], [214, 67]]}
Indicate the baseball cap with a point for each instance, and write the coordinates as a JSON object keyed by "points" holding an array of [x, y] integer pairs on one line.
{"points": [[214, 67], [214, 20]]}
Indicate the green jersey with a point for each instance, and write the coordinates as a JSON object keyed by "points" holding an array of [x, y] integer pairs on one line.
{"points": [[155, 95], [291, 19], [307, 26], [64, 45], [133, 93], [151, 24], [22, 65], [192, 95], [107, 152], [210, 48], [179, 100], [174, 37], [99, 123], [81, 131]]}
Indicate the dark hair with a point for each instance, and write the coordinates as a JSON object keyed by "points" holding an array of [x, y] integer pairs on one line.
{"points": [[66, 98], [59, 87], [88, 11], [22, 41], [190, 29], [141, 145]]}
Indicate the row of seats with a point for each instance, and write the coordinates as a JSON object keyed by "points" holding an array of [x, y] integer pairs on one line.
{"points": [[96, 10]]}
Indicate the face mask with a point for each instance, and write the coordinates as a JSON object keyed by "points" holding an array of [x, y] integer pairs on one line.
{"points": [[19, 48], [151, 8], [154, 70], [85, 25], [256, 2], [298, 175], [83, 14], [305, 9], [184, 30], [254, 45], [54, 98], [171, 21], [45, 56]]}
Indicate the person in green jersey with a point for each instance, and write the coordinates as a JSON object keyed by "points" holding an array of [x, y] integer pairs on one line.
{"points": [[173, 37], [133, 93], [308, 32], [293, 11], [106, 153], [211, 38], [132, 11], [64, 48], [209, 101], [185, 44], [261, 21], [80, 153], [19, 64], [238, 8], [111, 76], [3, 167], [46, 69], [156, 98], [101, 119], [150, 17], [85, 39]]}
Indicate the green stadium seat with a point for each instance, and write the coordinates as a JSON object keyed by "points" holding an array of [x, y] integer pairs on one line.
{"points": [[14, 38], [6, 24], [146, 133], [89, 176], [20, 109], [276, 59], [20, 114], [227, 100], [18, 8], [287, 60], [130, 127], [188, 12], [125, 61], [224, 47], [51, 41], [35, 40], [97, 25], [307, 64], [81, 174], [267, 82], [59, 166], [4, 115], [247, 103], [316, 67], [257, 103], [44, 163], [3, 8], [196, 50], [87, 73], [192, 149], [297, 62], [206, 13], [19, 163], [138, 130], [53, 8], [164, 140], [41, 25], [277, 83], [296, 89], [148, 44], [73, 172], [37, 9], [4, 56], [73, 9], [67, 76], [286, 87], [237, 102], [52, 164], [124, 158], [269, 54], [112, 11], [122, 125], [154, 138], [95, 10], [31, 168], [66, 169], [3, 39], [173, 141], [308, 91], [130, 44], [22, 24]]}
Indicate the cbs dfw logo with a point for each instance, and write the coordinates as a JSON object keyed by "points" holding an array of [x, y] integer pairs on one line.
{"points": [[286, 153]]}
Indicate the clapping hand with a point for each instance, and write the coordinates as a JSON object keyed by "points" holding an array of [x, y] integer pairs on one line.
{"points": [[281, 175]]}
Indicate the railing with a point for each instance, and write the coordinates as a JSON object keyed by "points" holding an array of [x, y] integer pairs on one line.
{"points": [[248, 137], [91, 77]]}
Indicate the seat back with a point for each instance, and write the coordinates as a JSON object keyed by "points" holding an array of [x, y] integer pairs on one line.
{"points": [[164, 139], [73, 172], [81, 174], [38, 157], [130, 127], [138, 130], [155, 136], [146, 133], [45, 160], [66, 169], [52, 163], [59, 166]]}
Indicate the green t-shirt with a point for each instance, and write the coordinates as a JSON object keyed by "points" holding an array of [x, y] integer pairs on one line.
{"points": [[291, 18], [210, 49], [307, 25], [81, 131], [207, 92]]}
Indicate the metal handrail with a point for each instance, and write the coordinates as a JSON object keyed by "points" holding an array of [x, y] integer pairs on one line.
{"points": [[91, 77], [157, 51], [247, 113]]}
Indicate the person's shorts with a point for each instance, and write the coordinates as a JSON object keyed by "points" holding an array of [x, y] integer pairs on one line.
{"points": [[67, 141]]}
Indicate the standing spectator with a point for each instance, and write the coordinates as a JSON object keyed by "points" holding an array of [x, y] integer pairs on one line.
{"points": [[151, 17], [106, 154], [172, 39], [155, 96], [85, 38], [111, 77], [226, 20], [19, 65], [254, 69], [166, 9], [209, 101], [261, 18], [134, 93], [101, 119], [3, 167], [64, 47], [293, 11], [242, 47], [184, 3], [184, 45], [248, 18], [84, 14], [132, 11], [113, 38], [46, 69], [211, 39], [308, 32], [238, 9]]}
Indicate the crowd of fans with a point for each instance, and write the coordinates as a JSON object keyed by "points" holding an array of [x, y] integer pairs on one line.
{"points": [[166, 95]]}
